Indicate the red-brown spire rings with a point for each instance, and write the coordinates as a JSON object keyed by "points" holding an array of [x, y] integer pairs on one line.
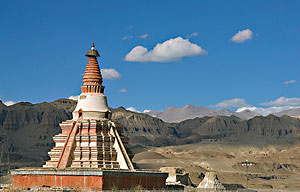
{"points": [[92, 79]]}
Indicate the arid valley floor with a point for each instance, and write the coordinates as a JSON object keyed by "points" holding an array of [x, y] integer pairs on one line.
{"points": [[276, 167]]}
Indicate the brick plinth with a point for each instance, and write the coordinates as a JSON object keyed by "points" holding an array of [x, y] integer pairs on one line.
{"points": [[30, 181], [95, 179]]}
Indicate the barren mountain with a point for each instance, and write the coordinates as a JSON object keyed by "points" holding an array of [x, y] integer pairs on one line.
{"points": [[291, 112], [145, 130], [247, 114], [26, 131], [177, 114]]}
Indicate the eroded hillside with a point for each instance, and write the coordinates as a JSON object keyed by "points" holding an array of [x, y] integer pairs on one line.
{"points": [[202, 144]]}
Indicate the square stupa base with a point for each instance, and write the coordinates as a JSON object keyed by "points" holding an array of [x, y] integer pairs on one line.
{"points": [[89, 179]]}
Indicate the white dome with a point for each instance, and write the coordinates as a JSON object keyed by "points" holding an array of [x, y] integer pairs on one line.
{"points": [[91, 106]]}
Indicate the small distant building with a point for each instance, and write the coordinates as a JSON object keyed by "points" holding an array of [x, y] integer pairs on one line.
{"points": [[90, 152], [211, 182], [177, 176]]}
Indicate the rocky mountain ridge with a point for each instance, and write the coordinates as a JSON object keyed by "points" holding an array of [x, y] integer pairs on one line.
{"points": [[175, 114], [26, 130], [290, 112]]}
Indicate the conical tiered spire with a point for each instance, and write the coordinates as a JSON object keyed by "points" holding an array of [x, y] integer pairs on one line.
{"points": [[92, 79], [92, 75]]}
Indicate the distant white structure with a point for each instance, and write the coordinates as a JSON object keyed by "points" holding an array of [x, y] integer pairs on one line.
{"points": [[177, 176], [211, 181]]}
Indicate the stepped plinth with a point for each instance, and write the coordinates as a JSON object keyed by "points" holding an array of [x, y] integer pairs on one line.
{"points": [[90, 152]]}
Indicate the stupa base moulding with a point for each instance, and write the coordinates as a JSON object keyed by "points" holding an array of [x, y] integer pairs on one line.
{"points": [[91, 179]]}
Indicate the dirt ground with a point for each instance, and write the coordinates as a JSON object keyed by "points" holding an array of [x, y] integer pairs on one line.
{"points": [[274, 166]]}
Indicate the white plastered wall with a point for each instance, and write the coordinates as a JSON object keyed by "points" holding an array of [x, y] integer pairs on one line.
{"points": [[92, 105]]}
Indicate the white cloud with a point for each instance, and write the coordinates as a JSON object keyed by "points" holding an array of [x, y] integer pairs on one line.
{"points": [[283, 101], [145, 36], [236, 102], [127, 37], [132, 109], [123, 90], [192, 35], [170, 50], [75, 97], [280, 104], [9, 103], [266, 111], [246, 108], [110, 74], [289, 82], [242, 36], [146, 111]]}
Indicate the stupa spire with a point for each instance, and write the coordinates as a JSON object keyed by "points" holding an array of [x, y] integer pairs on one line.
{"points": [[92, 79]]}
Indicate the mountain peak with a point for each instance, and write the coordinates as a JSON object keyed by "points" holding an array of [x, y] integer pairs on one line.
{"points": [[189, 106], [171, 107], [189, 111]]}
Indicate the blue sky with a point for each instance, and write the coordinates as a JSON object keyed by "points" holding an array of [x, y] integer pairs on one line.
{"points": [[43, 45]]}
